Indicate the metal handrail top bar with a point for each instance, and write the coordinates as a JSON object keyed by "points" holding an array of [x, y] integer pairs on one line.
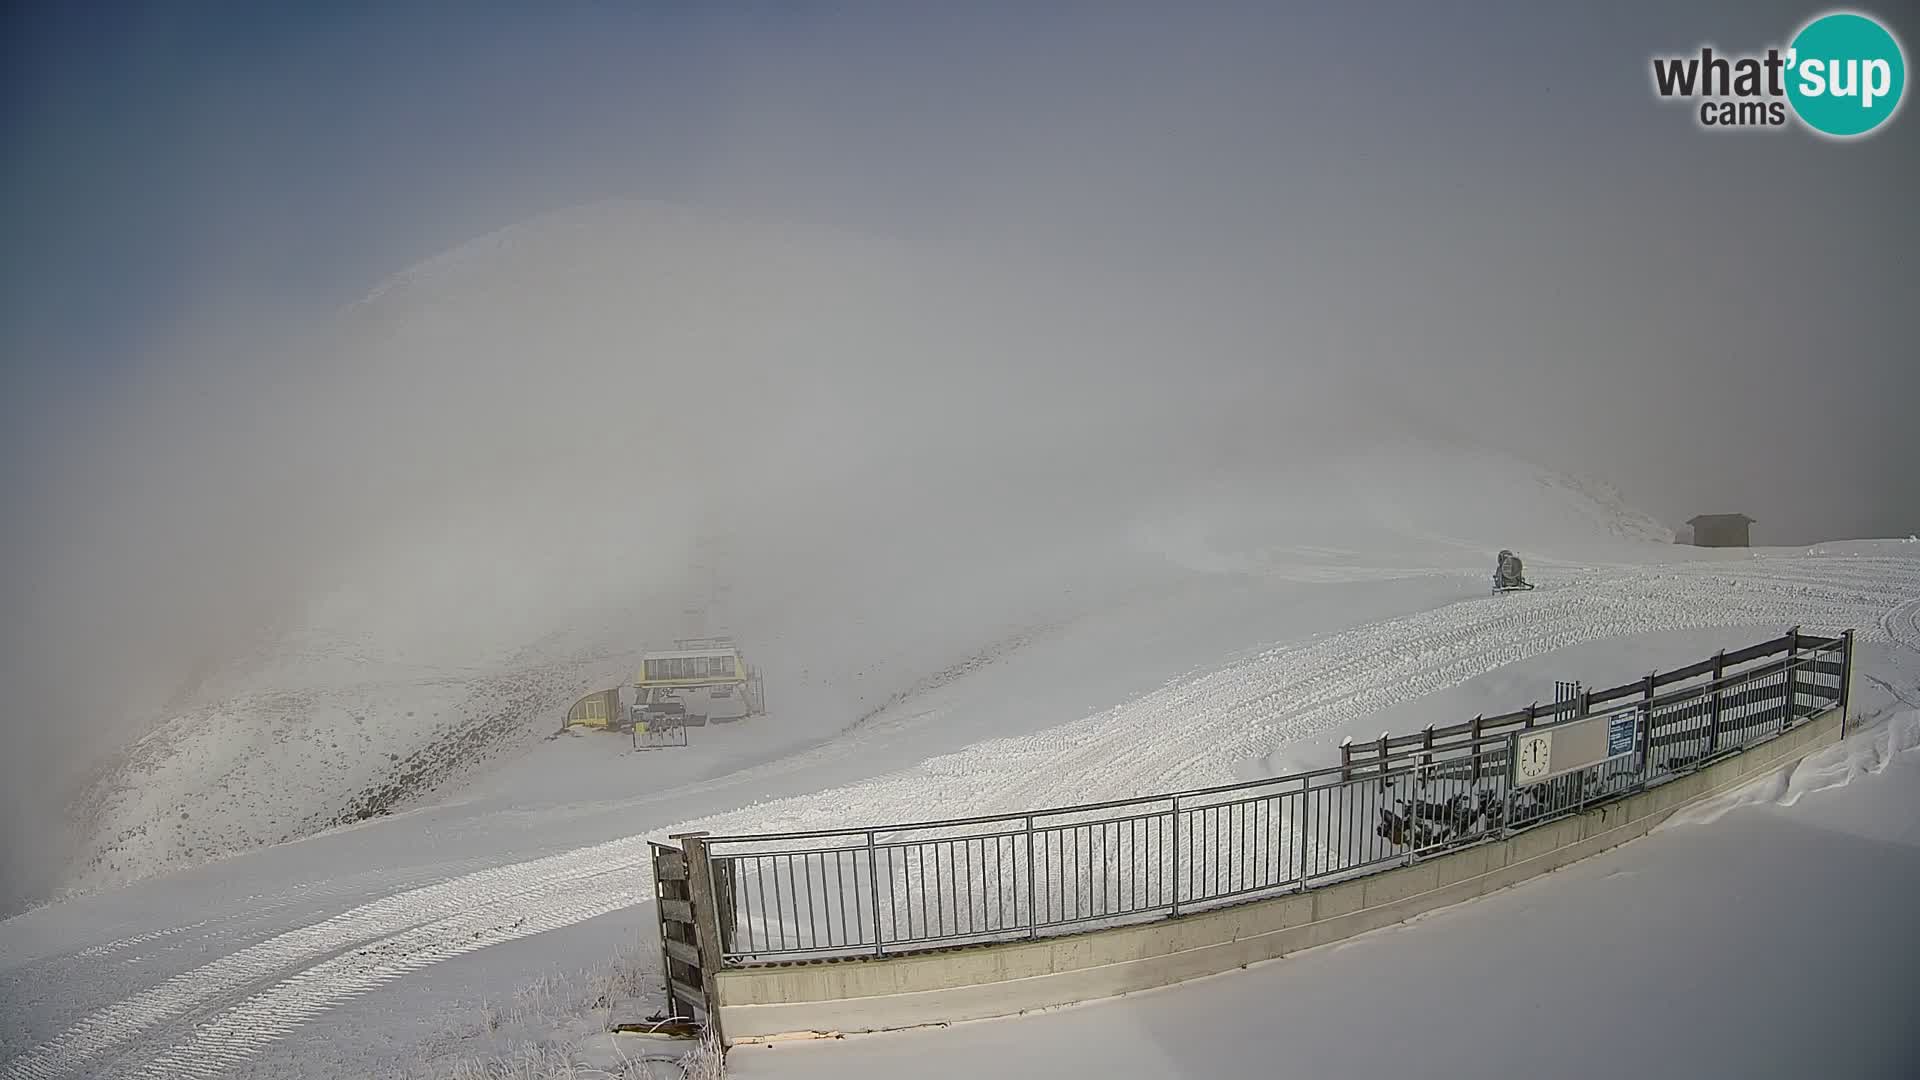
{"points": [[947, 823]]}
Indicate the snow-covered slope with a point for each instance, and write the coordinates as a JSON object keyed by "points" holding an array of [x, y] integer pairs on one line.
{"points": [[519, 446], [333, 955], [341, 718], [988, 551], [338, 721]]}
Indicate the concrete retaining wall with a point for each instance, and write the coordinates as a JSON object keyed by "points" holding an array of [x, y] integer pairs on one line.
{"points": [[888, 993]]}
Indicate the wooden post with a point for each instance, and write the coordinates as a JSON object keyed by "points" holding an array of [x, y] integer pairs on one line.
{"points": [[1476, 746], [1383, 755], [1346, 760], [706, 925], [669, 887], [1426, 746]]}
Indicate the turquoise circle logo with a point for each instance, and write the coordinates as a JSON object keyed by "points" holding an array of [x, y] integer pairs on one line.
{"points": [[1845, 74]]}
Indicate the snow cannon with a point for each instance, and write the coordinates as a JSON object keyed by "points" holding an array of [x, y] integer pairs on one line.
{"points": [[1508, 575]]}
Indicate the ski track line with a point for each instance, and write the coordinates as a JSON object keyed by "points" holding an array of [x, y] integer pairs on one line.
{"points": [[180, 994], [1347, 675], [118, 944], [254, 906], [100, 967], [1901, 625], [222, 1042], [1418, 659]]}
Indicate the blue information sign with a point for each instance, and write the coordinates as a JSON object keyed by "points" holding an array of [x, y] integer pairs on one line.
{"points": [[1620, 731]]}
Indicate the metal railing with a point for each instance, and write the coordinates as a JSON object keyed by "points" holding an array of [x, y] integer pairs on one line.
{"points": [[1003, 877]]}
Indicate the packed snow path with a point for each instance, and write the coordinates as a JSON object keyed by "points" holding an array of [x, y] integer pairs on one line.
{"points": [[185, 988]]}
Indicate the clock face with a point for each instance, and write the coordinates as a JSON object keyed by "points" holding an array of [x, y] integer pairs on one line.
{"points": [[1534, 755]]}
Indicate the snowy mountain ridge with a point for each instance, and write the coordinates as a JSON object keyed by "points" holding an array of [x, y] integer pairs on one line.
{"points": [[521, 525]]}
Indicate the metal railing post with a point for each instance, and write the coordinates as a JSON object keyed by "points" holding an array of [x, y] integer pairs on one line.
{"points": [[1416, 792], [1176, 854], [1846, 678], [1033, 907], [1513, 756], [1793, 659], [1304, 832], [1713, 720], [1646, 729], [873, 884]]}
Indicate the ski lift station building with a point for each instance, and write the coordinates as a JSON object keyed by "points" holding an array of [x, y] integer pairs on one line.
{"points": [[1720, 530], [707, 675]]}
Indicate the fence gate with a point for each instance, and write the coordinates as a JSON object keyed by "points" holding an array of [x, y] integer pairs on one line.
{"points": [[689, 930]]}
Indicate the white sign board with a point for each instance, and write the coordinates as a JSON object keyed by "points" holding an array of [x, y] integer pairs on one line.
{"points": [[1544, 753]]}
